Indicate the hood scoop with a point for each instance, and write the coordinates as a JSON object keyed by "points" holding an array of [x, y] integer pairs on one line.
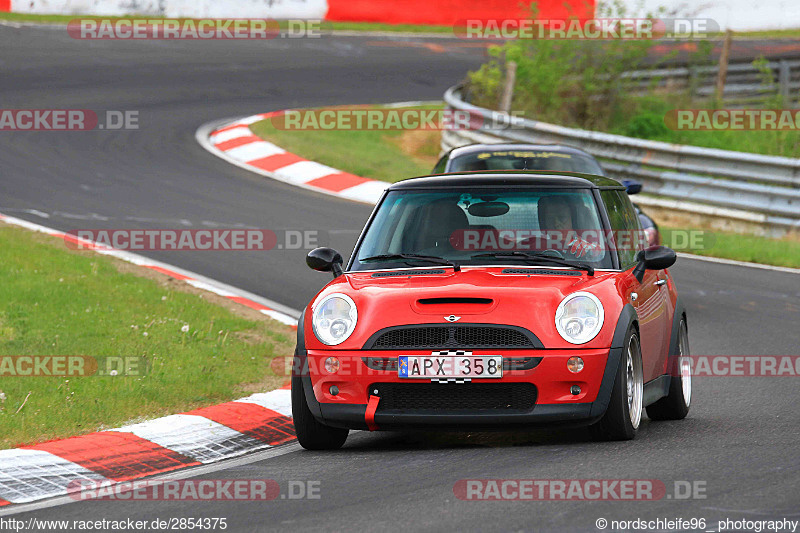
{"points": [[455, 301], [453, 305]]}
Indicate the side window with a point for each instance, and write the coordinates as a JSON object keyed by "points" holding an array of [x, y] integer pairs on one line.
{"points": [[625, 225], [440, 166]]}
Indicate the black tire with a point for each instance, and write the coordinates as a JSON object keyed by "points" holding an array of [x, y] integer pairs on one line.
{"points": [[311, 434], [675, 406], [617, 422]]}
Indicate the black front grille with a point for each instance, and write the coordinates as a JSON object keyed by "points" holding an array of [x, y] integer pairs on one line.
{"points": [[412, 337], [463, 336], [489, 336], [455, 396]]}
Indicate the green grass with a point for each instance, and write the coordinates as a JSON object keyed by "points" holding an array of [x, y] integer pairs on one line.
{"points": [[646, 120], [381, 155], [39, 19], [791, 33], [782, 252], [781, 143], [54, 301], [326, 26], [393, 28]]}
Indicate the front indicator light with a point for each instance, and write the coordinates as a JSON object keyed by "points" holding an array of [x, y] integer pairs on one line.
{"points": [[332, 365], [575, 364]]}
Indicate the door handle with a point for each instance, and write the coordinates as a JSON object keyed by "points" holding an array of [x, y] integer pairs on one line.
{"points": [[661, 282]]}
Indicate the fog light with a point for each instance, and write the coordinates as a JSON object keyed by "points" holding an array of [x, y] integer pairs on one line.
{"points": [[575, 390], [334, 390], [331, 365], [575, 364]]}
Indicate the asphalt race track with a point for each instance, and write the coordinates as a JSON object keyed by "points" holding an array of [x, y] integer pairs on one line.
{"points": [[740, 439]]}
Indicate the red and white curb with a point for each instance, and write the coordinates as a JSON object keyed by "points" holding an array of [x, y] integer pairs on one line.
{"points": [[166, 444], [236, 143], [157, 446]]}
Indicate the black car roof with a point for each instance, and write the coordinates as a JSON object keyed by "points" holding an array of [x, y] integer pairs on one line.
{"points": [[473, 148], [506, 178]]}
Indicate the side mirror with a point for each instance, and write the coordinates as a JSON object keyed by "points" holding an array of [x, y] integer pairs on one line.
{"points": [[632, 186], [325, 260], [655, 258]]}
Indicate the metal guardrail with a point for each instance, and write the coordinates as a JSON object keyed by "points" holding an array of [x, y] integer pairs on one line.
{"points": [[744, 84], [766, 185]]}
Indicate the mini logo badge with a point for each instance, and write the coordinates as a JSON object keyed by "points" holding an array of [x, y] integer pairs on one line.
{"points": [[452, 318]]}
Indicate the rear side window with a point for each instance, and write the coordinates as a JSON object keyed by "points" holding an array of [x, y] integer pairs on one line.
{"points": [[627, 234]]}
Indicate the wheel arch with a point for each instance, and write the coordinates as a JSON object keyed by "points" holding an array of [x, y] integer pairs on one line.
{"points": [[678, 315], [300, 368], [627, 317]]}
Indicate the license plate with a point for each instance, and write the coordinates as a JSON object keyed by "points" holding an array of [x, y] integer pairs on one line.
{"points": [[450, 366]]}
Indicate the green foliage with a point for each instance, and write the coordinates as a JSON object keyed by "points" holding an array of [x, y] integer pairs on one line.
{"points": [[581, 84], [572, 82], [647, 125]]}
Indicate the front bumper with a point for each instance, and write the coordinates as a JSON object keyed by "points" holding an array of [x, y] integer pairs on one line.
{"points": [[554, 404], [352, 416]]}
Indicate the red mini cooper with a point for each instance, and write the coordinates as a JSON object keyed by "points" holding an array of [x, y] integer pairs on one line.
{"points": [[493, 300]]}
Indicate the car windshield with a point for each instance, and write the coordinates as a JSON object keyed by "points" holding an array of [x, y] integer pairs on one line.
{"points": [[476, 226], [525, 160]]}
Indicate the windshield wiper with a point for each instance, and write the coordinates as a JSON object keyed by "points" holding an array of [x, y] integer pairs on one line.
{"points": [[537, 257], [413, 257]]}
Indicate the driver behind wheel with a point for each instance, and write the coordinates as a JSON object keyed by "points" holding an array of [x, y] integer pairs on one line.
{"points": [[557, 213]]}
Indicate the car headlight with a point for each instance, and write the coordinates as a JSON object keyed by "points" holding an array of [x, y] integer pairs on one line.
{"points": [[579, 317], [334, 319]]}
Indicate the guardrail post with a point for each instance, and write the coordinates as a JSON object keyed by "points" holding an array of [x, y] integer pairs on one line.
{"points": [[722, 74], [784, 77], [508, 88], [693, 81]]}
